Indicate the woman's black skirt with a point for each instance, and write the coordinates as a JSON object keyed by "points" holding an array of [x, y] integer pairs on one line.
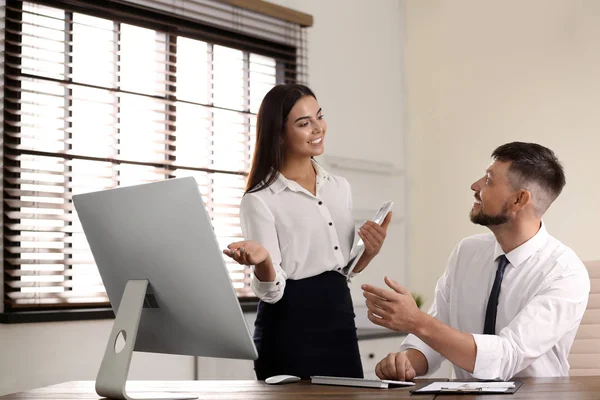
{"points": [[309, 331]]}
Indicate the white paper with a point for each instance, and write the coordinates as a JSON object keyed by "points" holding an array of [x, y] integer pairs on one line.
{"points": [[486, 386]]}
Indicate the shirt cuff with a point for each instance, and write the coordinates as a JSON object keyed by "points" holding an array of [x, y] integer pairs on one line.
{"points": [[347, 272], [269, 292], [434, 359], [488, 358]]}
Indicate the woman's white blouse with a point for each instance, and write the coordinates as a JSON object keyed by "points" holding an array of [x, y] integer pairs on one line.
{"points": [[305, 235]]}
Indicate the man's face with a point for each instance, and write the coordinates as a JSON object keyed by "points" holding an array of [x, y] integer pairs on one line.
{"points": [[492, 196]]}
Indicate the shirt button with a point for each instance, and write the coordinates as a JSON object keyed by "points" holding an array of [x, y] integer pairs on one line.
{"points": [[320, 202], [335, 248], [277, 283], [331, 223], [339, 268]]}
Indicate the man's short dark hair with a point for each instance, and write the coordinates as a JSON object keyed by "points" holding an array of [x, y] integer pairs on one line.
{"points": [[535, 168]]}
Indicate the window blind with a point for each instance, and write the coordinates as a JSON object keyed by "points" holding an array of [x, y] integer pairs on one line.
{"points": [[105, 94]]}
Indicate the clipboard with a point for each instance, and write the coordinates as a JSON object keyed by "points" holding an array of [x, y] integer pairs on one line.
{"points": [[469, 387]]}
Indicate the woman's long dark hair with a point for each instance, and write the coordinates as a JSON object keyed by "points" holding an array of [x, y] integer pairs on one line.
{"points": [[270, 127]]}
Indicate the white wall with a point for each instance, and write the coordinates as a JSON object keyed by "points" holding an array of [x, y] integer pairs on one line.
{"points": [[482, 73], [355, 61]]}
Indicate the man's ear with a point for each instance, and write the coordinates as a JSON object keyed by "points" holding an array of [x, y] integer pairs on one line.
{"points": [[522, 199]]}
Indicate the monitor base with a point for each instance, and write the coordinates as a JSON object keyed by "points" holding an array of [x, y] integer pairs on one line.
{"points": [[114, 369]]}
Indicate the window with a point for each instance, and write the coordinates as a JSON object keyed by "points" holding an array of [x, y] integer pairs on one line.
{"points": [[95, 100]]}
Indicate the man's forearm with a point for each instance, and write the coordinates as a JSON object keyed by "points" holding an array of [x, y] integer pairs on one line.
{"points": [[458, 347]]}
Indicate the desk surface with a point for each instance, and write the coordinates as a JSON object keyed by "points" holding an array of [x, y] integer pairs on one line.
{"points": [[573, 388]]}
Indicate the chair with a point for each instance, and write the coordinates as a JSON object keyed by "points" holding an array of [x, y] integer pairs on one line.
{"points": [[585, 353]]}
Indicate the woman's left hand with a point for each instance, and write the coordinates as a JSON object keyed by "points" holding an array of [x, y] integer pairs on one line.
{"points": [[373, 235]]}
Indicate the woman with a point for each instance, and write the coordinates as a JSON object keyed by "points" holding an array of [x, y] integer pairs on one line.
{"points": [[298, 222]]}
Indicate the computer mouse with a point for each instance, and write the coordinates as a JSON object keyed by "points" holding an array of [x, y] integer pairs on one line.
{"points": [[279, 379]]}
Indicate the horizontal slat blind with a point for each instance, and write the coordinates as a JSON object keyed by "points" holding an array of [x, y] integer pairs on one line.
{"points": [[92, 102]]}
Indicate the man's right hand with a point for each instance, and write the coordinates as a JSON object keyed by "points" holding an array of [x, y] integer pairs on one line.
{"points": [[396, 366]]}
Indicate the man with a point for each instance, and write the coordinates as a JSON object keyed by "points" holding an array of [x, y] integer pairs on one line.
{"points": [[510, 301]]}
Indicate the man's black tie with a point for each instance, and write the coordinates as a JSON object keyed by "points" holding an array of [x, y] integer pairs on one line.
{"points": [[492, 307]]}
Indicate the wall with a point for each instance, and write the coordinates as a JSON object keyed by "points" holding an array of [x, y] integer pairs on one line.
{"points": [[482, 73], [355, 53]]}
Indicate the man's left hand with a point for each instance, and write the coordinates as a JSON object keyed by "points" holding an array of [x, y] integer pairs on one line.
{"points": [[394, 309]]}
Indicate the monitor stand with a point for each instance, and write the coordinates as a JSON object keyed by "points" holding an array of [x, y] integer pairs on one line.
{"points": [[114, 369]]}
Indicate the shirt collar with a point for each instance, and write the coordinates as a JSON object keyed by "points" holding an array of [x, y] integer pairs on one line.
{"points": [[279, 184], [282, 182], [519, 255]]}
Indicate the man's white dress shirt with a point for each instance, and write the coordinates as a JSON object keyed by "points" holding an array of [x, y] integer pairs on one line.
{"points": [[543, 296], [305, 234]]}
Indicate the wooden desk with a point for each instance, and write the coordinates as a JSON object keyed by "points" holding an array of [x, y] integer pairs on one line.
{"points": [[574, 388]]}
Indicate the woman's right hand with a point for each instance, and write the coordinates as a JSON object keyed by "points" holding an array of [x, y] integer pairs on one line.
{"points": [[247, 252]]}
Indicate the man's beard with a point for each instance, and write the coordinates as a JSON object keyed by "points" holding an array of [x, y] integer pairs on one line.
{"points": [[484, 219]]}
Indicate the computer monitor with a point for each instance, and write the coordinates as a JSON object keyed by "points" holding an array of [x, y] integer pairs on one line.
{"points": [[164, 274]]}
